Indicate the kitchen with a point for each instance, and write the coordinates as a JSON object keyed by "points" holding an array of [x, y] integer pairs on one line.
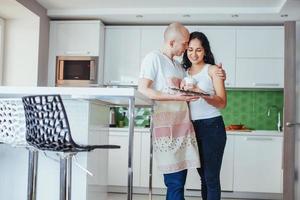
{"points": [[255, 98]]}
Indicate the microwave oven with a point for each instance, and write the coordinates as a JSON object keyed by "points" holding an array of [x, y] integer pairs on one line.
{"points": [[76, 70]]}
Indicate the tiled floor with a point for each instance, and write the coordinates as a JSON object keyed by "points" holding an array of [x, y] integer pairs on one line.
{"points": [[117, 196]]}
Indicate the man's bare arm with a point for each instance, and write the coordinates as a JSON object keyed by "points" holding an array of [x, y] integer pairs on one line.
{"points": [[145, 88]]}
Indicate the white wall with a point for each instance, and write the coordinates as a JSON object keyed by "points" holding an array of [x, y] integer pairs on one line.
{"points": [[21, 52], [1, 47], [41, 12]]}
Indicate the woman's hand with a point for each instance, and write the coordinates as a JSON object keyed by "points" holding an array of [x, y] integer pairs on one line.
{"points": [[189, 87]]}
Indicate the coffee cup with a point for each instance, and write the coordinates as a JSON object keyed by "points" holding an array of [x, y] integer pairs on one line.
{"points": [[189, 80]]}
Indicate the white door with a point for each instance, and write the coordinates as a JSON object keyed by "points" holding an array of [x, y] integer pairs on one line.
{"points": [[291, 164]]}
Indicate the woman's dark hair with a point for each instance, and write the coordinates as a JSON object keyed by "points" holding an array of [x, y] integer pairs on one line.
{"points": [[208, 57]]}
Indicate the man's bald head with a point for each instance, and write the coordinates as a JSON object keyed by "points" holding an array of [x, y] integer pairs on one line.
{"points": [[176, 39], [175, 31]]}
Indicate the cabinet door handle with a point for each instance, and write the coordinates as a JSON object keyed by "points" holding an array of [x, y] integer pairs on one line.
{"points": [[77, 52], [266, 84], [291, 124], [259, 138]]}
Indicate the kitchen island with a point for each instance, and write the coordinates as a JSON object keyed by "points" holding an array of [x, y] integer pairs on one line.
{"points": [[87, 109]]}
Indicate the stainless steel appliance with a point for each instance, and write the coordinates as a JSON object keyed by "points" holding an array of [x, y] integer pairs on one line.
{"points": [[76, 70]]}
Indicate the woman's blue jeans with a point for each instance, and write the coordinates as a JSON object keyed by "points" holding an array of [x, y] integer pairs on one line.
{"points": [[175, 185], [211, 139]]}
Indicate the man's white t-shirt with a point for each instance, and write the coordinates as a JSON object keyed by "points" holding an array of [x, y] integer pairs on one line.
{"points": [[160, 69]]}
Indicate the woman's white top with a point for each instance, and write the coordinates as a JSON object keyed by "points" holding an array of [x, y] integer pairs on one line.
{"points": [[200, 109]]}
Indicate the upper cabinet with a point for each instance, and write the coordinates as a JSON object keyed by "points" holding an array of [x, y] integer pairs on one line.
{"points": [[152, 38], [247, 53], [260, 57], [122, 55], [76, 37], [222, 42], [260, 42], [259, 73]]}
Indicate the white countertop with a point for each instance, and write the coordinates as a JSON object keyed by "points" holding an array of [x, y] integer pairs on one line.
{"points": [[240, 133], [256, 133], [117, 96]]}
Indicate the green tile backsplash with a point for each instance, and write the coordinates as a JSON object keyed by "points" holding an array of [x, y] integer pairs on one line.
{"points": [[243, 106], [251, 108], [141, 116]]}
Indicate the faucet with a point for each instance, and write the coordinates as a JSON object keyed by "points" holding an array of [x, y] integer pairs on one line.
{"points": [[279, 126]]}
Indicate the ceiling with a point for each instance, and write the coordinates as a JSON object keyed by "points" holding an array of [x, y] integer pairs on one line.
{"points": [[166, 11]]}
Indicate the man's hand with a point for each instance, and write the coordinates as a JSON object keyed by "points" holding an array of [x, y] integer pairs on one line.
{"points": [[184, 97], [221, 72]]}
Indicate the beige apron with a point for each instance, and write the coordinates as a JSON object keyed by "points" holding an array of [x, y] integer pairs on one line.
{"points": [[174, 142]]}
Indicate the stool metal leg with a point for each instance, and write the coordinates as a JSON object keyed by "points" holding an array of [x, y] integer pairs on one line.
{"points": [[65, 177], [32, 174], [151, 159], [130, 148]]}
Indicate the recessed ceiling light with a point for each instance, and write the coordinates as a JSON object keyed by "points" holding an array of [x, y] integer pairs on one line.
{"points": [[235, 15], [284, 15], [187, 15], [139, 16]]}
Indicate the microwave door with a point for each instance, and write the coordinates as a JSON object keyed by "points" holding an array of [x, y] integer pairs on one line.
{"points": [[77, 70]]}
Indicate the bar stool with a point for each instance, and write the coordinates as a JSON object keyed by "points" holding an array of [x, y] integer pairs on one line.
{"points": [[12, 132], [48, 129]]}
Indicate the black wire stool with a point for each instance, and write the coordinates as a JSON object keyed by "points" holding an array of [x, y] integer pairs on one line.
{"points": [[48, 129]]}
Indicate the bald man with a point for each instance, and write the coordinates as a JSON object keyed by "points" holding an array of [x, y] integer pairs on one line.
{"points": [[174, 141], [176, 38]]}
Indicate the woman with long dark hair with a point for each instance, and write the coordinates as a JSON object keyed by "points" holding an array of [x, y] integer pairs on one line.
{"points": [[199, 63]]}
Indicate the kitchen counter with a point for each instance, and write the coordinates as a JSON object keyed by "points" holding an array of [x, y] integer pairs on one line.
{"points": [[103, 96], [256, 133], [246, 133], [116, 96]]}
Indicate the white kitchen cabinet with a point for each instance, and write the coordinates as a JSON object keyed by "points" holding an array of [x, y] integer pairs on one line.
{"points": [[260, 42], [260, 73], [226, 177], [77, 37], [247, 53], [118, 159], [157, 176], [223, 45], [192, 28], [152, 38], [260, 57], [122, 55], [251, 162], [257, 164]]}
